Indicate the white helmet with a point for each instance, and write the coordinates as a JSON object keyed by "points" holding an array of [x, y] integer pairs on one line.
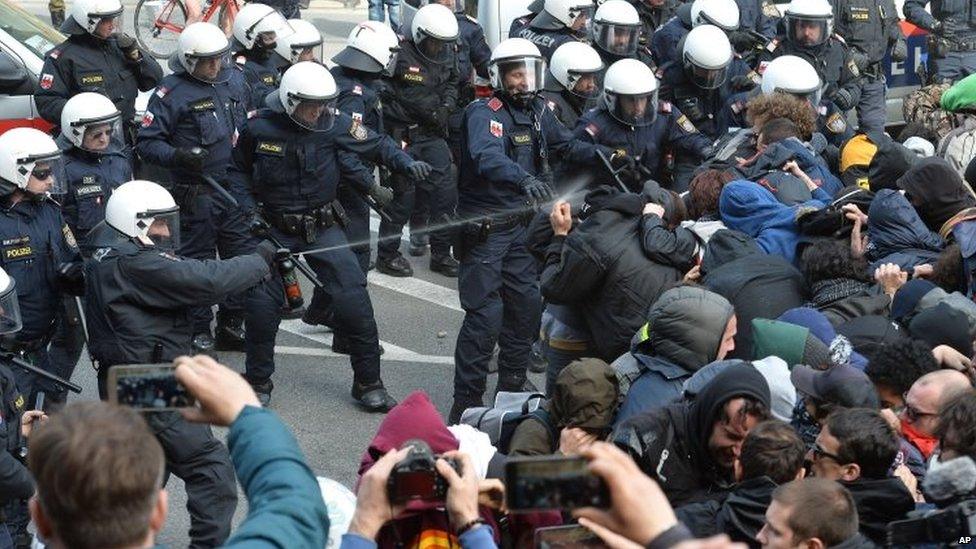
{"points": [[89, 110], [706, 56], [458, 5], [200, 41], [10, 320], [25, 152], [302, 42], [574, 61], [256, 19], [630, 92], [517, 53], [308, 85], [138, 207], [88, 13], [816, 17], [793, 75], [616, 28], [371, 47], [434, 30], [724, 14], [564, 14]]}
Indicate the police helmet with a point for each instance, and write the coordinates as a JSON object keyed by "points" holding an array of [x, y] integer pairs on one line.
{"points": [[630, 92], [515, 54], [91, 122], [146, 212], [616, 28], [809, 23], [10, 320], [307, 95], [724, 14], [456, 5], [564, 14], [434, 31], [706, 56], [200, 41], [573, 62], [303, 44], [255, 20], [86, 14], [27, 154], [793, 75], [371, 47]]}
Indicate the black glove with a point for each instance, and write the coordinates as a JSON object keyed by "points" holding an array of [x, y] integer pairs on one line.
{"points": [[267, 251], [71, 278], [190, 160], [843, 99], [860, 60], [128, 46], [742, 83], [899, 52], [946, 29], [621, 161], [742, 41], [382, 195], [419, 170], [536, 189]]}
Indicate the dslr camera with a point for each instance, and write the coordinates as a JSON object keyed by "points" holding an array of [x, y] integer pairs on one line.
{"points": [[416, 478], [952, 524]]}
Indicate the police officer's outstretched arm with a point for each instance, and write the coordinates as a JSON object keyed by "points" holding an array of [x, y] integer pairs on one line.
{"points": [[685, 135], [351, 136], [566, 143]]}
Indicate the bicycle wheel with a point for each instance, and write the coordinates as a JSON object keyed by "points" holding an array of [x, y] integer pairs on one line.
{"points": [[158, 24]]}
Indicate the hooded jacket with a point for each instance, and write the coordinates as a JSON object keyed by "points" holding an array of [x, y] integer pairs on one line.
{"points": [[671, 444], [758, 285], [683, 332], [741, 516], [896, 233], [936, 191], [584, 396], [879, 501], [752, 209], [781, 152], [601, 269]]}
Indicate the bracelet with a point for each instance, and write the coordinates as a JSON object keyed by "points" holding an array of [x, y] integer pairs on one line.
{"points": [[469, 525]]}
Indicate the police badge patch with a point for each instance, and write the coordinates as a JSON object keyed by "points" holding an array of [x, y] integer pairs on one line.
{"points": [[147, 119], [496, 128], [69, 237], [357, 131], [47, 80], [836, 123], [686, 124]]}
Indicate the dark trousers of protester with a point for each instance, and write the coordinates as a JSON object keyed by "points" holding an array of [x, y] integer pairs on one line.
{"points": [[357, 228], [439, 191], [499, 292], [203, 463], [14, 532], [871, 110], [345, 297]]}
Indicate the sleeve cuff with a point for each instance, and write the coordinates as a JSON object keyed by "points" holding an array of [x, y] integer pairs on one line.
{"points": [[480, 537], [670, 537], [355, 541]]}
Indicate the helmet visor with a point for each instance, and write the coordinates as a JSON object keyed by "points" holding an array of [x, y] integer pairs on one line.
{"points": [[807, 32], [633, 110], [436, 50], [708, 79], [519, 77], [209, 69], [162, 227], [585, 84], [100, 136], [582, 18], [45, 174], [317, 115], [616, 38], [10, 320], [307, 52], [273, 26]]}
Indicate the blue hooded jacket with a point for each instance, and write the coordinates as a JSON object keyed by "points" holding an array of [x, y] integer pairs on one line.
{"points": [[897, 234], [747, 207]]}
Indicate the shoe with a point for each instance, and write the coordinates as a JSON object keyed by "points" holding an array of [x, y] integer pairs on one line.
{"points": [[444, 264], [340, 345], [203, 343], [263, 390], [317, 317], [397, 266], [229, 335], [417, 247], [457, 410], [373, 396], [515, 386], [287, 313]]}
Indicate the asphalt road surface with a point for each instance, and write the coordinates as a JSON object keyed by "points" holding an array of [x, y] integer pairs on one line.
{"points": [[418, 321]]}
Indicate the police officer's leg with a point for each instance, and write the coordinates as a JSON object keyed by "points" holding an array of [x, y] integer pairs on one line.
{"points": [[233, 238], [947, 68], [443, 201], [389, 260], [522, 307], [871, 110], [479, 285], [263, 316], [203, 464], [967, 65], [357, 228], [63, 354], [198, 236]]}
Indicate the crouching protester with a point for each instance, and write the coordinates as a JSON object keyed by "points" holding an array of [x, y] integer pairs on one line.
{"points": [[99, 470]]}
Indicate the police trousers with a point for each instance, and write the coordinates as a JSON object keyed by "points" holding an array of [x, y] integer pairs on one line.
{"points": [[357, 227], [499, 292], [955, 66], [65, 350], [871, 109]]}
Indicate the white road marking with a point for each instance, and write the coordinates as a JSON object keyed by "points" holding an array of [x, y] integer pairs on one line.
{"points": [[392, 352], [419, 289]]}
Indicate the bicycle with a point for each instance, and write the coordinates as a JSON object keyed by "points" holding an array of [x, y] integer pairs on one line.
{"points": [[158, 23]]}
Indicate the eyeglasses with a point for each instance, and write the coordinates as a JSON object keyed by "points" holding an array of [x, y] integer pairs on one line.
{"points": [[913, 414], [819, 453], [42, 173]]}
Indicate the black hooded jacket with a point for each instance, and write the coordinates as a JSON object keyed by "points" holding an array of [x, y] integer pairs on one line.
{"points": [[741, 515], [602, 269], [758, 285], [936, 191], [671, 444], [879, 501]]}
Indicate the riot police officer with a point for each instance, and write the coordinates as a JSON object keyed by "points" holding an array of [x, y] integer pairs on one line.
{"points": [[871, 28], [95, 58], [654, 14], [290, 156], [724, 14], [138, 295], [574, 84], [809, 35], [616, 33], [952, 38], [370, 54], [757, 18], [523, 21], [417, 110], [639, 128], [560, 21], [256, 29], [190, 126], [506, 145], [303, 44]]}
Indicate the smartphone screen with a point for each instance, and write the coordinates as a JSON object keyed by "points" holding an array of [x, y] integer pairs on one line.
{"points": [[551, 482], [147, 388], [566, 537]]}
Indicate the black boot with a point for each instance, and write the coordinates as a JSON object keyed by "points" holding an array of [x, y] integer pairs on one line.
{"points": [[418, 245], [394, 266], [263, 390], [229, 335], [373, 396], [444, 264], [317, 317], [515, 384], [458, 408]]}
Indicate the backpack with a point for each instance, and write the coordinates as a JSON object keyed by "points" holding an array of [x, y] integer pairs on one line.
{"points": [[510, 409], [958, 146]]}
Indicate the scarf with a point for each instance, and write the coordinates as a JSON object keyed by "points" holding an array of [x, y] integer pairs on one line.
{"points": [[826, 292]]}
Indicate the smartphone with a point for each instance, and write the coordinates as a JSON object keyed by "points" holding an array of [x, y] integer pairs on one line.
{"points": [[573, 536], [553, 482], [147, 388]]}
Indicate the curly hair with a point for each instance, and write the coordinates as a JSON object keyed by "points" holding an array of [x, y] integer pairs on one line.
{"points": [[899, 364], [705, 190], [955, 428], [947, 273], [763, 108], [826, 259]]}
